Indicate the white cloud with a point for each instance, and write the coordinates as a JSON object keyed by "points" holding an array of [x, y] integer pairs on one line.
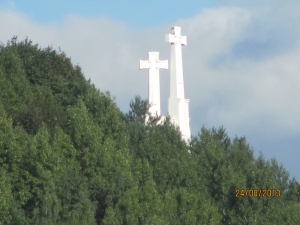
{"points": [[240, 65], [237, 90], [227, 88]]}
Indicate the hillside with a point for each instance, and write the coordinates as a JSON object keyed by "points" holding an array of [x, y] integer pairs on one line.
{"points": [[68, 155]]}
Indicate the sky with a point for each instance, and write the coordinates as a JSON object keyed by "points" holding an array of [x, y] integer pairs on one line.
{"points": [[241, 62]]}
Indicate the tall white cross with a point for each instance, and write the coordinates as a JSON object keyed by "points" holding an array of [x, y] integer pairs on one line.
{"points": [[178, 106], [153, 64], [176, 79]]}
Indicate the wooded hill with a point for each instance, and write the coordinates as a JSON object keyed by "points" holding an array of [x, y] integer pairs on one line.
{"points": [[68, 155]]}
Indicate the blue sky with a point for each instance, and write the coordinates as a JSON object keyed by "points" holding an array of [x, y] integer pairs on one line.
{"points": [[136, 14], [241, 63]]}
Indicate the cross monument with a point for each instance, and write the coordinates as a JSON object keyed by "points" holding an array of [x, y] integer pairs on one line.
{"points": [[178, 106], [153, 65]]}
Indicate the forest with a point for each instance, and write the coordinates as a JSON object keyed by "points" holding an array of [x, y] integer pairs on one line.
{"points": [[70, 156]]}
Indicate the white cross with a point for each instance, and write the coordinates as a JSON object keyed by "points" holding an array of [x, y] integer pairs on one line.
{"points": [[153, 64], [175, 37]]}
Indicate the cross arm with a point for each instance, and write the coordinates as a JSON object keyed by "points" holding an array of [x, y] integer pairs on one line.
{"points": [[163, 64], [171, 38], [144, 64]]}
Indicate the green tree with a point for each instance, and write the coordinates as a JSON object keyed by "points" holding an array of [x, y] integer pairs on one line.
{"points": [[68, 155]]}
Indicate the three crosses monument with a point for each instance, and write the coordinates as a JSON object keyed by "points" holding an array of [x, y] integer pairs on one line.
{"points": [[178, 106]]}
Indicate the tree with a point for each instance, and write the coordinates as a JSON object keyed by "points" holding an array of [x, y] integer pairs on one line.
{"points": [[68, 155]]}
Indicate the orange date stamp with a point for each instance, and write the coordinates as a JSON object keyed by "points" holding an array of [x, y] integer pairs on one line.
{"points": [[265, 193]]}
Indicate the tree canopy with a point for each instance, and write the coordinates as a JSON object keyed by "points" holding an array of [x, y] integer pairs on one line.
{"points": [[68, 155]]}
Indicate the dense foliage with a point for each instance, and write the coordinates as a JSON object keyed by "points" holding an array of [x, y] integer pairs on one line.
{"points": [[68, 155]]}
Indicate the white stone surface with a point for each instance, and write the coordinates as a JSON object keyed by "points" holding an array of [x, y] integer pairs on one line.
{"points": [[154, 65], [178, 106]]}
